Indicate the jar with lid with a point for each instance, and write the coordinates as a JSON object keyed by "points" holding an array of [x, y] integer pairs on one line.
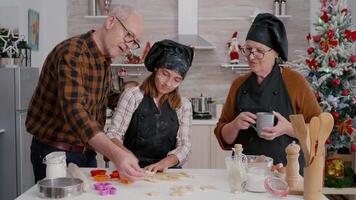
{"points": [[56, 165]]}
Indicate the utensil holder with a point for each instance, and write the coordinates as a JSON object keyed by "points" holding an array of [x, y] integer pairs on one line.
{"points": [[313, 178]]}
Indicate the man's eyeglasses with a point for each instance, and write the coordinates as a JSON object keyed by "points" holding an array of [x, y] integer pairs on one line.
{"points": [[129, 37], [258, 54]]}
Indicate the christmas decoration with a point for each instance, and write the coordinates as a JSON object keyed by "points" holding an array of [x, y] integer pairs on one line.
{"points": [[133, 58], [9, 42], [234, 49], [329, 65], [337, 174]]}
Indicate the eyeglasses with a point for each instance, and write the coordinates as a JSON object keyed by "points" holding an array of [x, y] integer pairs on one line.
{"points": [[258, 54], [129, 37]]}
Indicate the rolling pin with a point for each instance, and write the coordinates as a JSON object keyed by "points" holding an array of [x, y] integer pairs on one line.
{"points": [[75, 172]]}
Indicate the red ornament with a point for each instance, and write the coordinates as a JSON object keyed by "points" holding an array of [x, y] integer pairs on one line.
{"points": [[325, 17], [353, 147], [345, 92], [312, 64], [350, 35], [335, 114], [310, 50], [353, 59], [316, 38], [336, 82], [308, 37], [332, 63], [317, 96], [122, 72], [330, 34], [333, 43], [328, 141], [344, 11]]}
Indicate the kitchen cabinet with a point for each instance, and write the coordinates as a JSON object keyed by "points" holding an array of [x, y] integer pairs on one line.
{"points": [[206, 152]]}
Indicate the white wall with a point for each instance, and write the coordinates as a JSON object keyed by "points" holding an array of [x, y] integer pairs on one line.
{"points": [[53, 23]]}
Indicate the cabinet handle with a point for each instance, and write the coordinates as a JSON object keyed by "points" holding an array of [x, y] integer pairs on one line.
{"points": [[2, 131]]}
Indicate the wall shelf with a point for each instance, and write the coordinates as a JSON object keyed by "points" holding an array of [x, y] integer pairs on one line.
{"points": [[95, 16], [348, 191], [127, 65]]}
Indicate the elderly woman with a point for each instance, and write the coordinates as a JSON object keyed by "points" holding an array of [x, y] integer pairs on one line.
{"points": [[269, 87], [153, 120]]}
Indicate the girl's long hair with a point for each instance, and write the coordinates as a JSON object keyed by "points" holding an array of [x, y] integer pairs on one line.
{"points": [[149, 88]]}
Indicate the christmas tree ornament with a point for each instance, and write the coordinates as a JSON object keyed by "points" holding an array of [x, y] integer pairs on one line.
{"points": [[316, 38], [310, 50], [234, 49], [345, 92], [332, 63], [335, 114], [325, 17], [345, 127], [336, 82], [344, 11]]}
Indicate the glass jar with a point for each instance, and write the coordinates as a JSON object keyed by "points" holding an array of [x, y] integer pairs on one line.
{"points": [[56, 165], [237, 172]]}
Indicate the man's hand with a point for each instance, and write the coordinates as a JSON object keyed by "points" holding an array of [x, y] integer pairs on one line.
{"points": [[127, 164]]}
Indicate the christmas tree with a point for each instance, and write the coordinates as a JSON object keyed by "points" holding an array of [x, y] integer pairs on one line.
{"points": [[330, 60]]}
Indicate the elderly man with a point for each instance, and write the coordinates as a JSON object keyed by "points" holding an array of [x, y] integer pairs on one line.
{"points": [[67, 110]]}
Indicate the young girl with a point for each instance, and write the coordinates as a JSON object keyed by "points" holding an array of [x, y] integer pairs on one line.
{"points": [[153, 120]]}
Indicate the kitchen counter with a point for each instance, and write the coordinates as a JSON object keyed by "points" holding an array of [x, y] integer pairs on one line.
{"points": [[198, 178], [212, 121], [205, 121]]}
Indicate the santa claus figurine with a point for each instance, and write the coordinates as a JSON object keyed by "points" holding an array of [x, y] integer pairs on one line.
{"points": [[234, 49]]}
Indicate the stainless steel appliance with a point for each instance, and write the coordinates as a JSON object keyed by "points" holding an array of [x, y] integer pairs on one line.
{"points": [[201, 107], [16, 89]]}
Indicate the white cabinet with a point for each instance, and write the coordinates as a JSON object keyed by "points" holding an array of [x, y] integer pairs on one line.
{"points": [[206, 152], [200, 155]]}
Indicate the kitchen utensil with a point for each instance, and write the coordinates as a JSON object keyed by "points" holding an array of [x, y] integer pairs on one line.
{"points": [[326, 126], [201, 104], [301, 132], [314, 127], [60, 187], [259, 168], [75, 172]]}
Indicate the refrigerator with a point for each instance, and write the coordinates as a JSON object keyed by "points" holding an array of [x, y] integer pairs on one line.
{"points": [[17, 85]]}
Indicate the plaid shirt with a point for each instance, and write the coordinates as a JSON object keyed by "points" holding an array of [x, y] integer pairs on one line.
{"points": [[128, 103], [69, 103]]}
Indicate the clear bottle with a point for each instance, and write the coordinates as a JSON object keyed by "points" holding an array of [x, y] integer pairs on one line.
{"points": [[283, 7], [276, 7], [237, 170]]}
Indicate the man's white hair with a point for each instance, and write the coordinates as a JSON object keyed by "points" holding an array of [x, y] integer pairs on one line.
{"points": [[122, 12]]}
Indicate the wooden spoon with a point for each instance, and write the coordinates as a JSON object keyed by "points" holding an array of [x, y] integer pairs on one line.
{"points": [[314, 126], [326, 126], [301, 132]]}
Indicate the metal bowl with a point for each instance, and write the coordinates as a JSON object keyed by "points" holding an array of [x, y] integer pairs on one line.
{"points": [[60, 187]]}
